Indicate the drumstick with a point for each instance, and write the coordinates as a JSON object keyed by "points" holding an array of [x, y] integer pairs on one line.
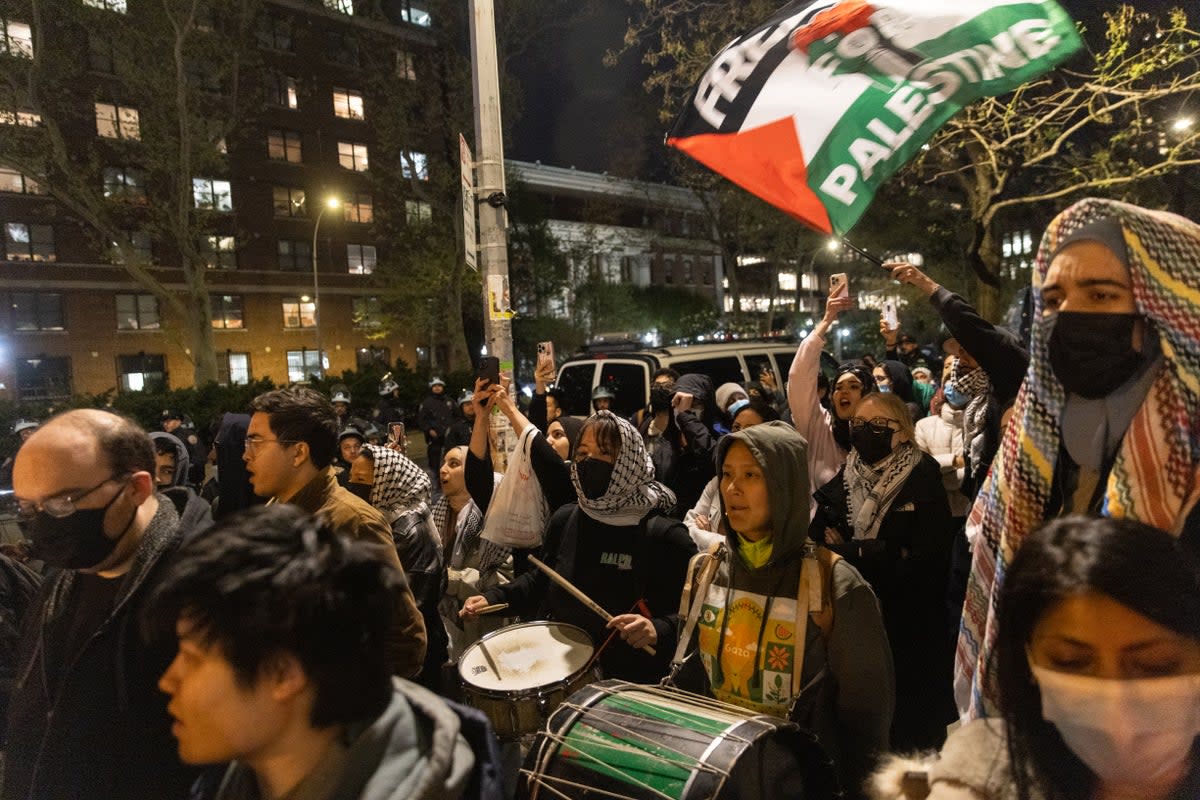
{"points": [[578, 595], [492, 607]]}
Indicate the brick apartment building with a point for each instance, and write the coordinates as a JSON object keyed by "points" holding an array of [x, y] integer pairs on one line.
{"points": [[74, 321]]}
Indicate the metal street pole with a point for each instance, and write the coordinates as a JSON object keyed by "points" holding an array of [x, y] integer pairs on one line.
{"points": [[490, 189], [329, 203]]}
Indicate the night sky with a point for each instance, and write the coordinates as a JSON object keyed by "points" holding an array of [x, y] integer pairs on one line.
{"points": [[577, 112]]}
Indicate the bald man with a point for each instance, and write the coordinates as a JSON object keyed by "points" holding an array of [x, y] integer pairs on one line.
{"points": [[86, 718]]}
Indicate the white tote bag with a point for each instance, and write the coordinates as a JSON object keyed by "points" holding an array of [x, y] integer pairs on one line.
{"points": [[518, 512]]}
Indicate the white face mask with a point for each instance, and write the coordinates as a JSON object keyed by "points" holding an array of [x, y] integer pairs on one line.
{"points": [[1126, 731]]}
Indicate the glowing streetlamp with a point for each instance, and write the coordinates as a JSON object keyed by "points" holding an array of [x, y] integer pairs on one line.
{"points": [[330, 203]]}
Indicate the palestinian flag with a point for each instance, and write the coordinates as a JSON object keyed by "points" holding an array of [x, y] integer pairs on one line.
{"points": [[814, 109]]}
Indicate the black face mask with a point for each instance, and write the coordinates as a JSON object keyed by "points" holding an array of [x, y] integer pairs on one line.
{"points": [[76, 541], [360, 490], [1092, 354], [594, 477], [873, 445], [660, 397]]}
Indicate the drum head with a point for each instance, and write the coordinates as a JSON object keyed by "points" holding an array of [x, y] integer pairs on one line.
{"points": [[525, 656]]}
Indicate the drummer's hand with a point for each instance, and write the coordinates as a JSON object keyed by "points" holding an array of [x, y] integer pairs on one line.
{"points": [[636, 630], [472, 605]]}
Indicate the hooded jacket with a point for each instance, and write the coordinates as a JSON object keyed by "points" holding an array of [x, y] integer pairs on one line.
{"points": [[749, 614], [414, 750], [686, 465], [183, 461]]}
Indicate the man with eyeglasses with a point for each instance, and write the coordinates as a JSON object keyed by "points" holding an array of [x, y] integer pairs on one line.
{"points": [[85, 719], [290, 445]]}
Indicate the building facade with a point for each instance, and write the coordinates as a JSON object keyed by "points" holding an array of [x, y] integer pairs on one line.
{"points": [[77, 321]]}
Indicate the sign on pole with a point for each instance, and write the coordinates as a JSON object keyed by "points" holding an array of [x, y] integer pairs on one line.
{"points": [[467, 166]]}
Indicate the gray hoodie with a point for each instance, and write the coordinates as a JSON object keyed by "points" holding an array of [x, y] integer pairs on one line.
{"points": [[183, 461], [413, 751], [847, 674]]}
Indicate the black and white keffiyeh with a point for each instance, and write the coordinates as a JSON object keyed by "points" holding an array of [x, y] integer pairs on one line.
{"points": [[973, 383], [870, 490], [632, 491], [468, 538], [400, 485]]}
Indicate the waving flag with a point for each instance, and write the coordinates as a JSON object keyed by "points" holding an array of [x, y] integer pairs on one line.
{"points": [[814, 109]]}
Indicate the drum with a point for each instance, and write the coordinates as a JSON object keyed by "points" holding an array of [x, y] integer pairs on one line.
{"points": [[519, 674], [620, 740]]}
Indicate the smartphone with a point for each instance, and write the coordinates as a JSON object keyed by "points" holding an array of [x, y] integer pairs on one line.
{"points": [[839, 285], [396, 435], [889, 314], [546, 349], [489, 369]]}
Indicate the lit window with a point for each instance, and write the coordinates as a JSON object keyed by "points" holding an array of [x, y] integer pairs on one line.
{"points": [[406, 65], [227, 311], [340, 6], [281, 90], [289, 202], [107, 5], [299, 313], [16, 39], [353, 156], [15, 182], [284, 146], [303, 364], [294, 255], [15, 111], [125, 183], [347, 104], [367, 313], [212, 195], [359, 208], [144, 371], [414, 165], [117, 122], [137, 312], [360, 258], [36, 312], [416, 15], [417, 212], [219, 252], [23, 242], [233, 369]]}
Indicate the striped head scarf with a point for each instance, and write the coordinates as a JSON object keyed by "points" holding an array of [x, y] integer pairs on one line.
{"points": [[1155, 477], [632, 491], [400, 485]]}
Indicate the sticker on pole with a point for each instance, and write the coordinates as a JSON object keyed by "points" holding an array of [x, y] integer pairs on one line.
{"points": [[499, 302], [467, 167]]}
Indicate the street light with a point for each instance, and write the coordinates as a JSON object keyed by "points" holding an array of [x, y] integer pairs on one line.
{"points": [[330, 203]]}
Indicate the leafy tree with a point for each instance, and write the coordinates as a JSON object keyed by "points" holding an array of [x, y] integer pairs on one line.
{"points": [[183, 67]]}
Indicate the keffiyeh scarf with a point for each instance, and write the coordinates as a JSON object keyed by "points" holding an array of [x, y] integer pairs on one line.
{"points": [[974, 384], [871, 488], [1154, 478], [468, 537], [632, 491], [400, 485]]}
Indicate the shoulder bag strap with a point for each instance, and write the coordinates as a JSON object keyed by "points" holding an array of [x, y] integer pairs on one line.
{"points": [[691, 601]]}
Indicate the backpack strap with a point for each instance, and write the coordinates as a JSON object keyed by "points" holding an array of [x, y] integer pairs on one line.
{"points": [[701, 570], [814, 597]]}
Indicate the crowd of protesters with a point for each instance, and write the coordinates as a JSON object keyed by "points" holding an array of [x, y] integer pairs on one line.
{"points": [[990, 533]]}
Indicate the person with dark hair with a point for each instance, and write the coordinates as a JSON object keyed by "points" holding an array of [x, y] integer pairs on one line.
{"points": [[176, 423], [171, 471], [886, 513], [349, 445], [85, 719], [234, 491], [290, 445], [893, 376], [614, 544], [1107, 419], [1098, 668], [282, 669], [400, 489], [826, 430]]}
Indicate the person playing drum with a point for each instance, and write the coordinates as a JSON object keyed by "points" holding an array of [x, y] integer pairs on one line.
{"points": [[615, 546], [781, 626]]}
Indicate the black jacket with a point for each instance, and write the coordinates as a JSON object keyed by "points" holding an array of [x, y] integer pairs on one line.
{"points": [[683, 455], [435, 414], [417, 546], [105, 732], [616, 566]]}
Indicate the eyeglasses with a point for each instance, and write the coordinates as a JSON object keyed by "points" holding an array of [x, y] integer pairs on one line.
{"points": [[876, 424], [59, 506], [252, 443]]}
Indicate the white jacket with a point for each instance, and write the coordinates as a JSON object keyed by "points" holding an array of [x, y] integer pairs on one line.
{"points": [[942, 437]]}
